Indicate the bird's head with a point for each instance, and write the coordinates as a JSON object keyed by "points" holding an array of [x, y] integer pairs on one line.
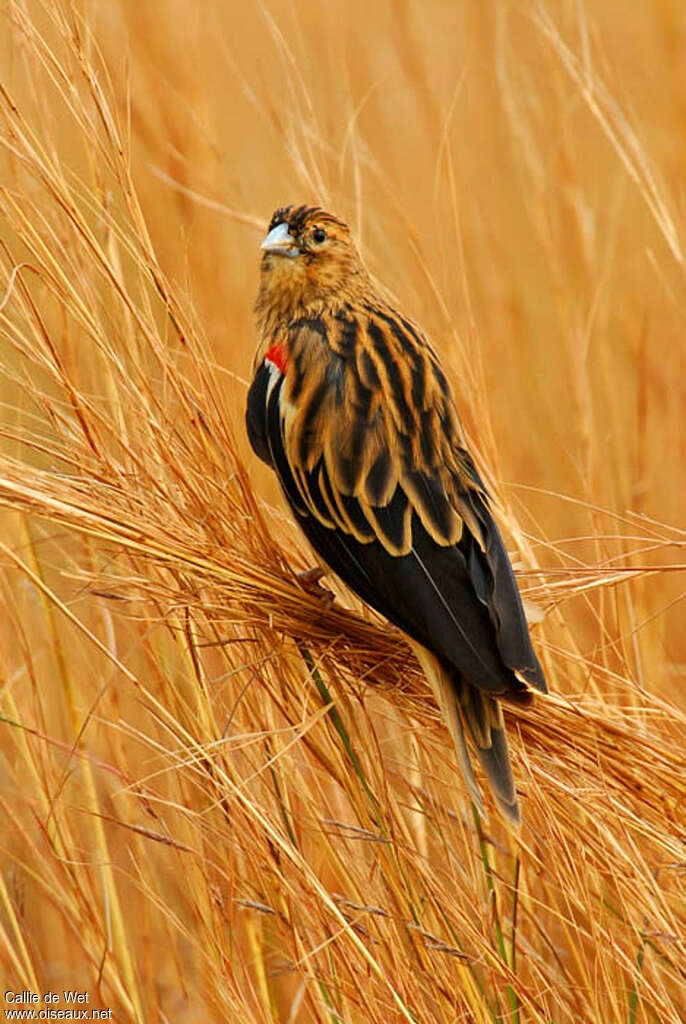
{"points": [[309, 263]]}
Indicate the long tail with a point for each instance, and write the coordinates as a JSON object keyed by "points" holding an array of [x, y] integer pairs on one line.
{"points": [[463, 705]]}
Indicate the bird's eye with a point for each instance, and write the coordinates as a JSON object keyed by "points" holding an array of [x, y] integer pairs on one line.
{"points": [[319, 235]]}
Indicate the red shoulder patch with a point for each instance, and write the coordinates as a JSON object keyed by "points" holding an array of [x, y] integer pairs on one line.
{"points": [[276, 355]]}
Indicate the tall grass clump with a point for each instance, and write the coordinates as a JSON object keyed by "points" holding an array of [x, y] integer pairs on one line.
{"points": [[225, 796]]}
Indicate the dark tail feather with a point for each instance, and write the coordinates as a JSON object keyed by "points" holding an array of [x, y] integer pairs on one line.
{"points": [[443, 687], [485, 725], [466, 709]]}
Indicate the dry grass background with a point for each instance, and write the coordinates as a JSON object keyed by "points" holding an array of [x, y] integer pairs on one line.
{"points": [[220, 800]]}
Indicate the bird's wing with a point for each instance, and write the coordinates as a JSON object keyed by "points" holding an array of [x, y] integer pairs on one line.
{"points": [[363, 434]]}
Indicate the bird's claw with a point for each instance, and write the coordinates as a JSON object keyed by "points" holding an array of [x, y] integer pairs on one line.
{"points": [[311, 576], [309, 581]]}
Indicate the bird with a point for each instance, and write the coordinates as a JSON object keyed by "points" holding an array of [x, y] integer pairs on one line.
{"points": [[350, 406]]}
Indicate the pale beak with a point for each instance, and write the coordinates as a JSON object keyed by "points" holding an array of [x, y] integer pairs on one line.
{"points": [[281, 241]]}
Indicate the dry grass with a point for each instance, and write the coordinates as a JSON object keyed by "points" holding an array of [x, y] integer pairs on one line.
{"points": [[222, 801]]}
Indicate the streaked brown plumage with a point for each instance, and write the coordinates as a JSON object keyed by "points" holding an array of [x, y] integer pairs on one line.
{"points": [[351, 408]]}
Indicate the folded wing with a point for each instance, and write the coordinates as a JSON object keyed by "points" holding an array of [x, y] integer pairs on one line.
{"points": [[372, 466]]}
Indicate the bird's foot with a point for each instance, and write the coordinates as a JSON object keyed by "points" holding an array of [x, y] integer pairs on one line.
{"points": [[309, 581]]}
